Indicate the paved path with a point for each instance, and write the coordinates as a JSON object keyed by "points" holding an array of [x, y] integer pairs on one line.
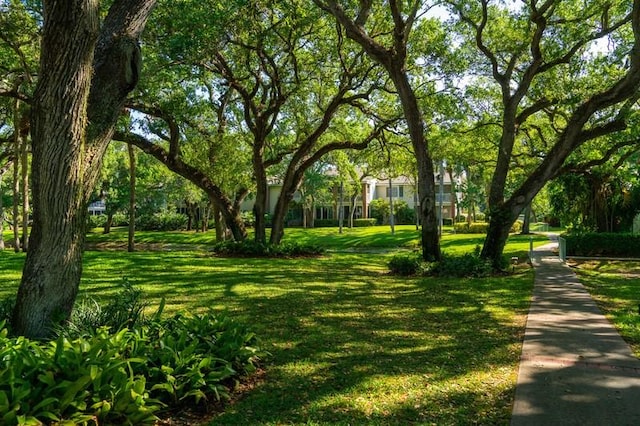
{"points": [[575, 367]]}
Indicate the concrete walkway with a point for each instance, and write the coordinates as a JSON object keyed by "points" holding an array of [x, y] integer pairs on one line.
{"points": [[575, 367]]}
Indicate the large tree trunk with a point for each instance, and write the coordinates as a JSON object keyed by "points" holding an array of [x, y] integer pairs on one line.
{"points": [[497, 235], [67, 150], [280, 214], [54, 264], [108, 223]]}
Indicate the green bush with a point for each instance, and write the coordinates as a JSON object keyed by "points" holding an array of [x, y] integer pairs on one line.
{"points": [[364, 222], [406, 264], [446, 221], [471, 228], [403, 214], [248, 218], [123, 377], [96, 221], [602, 244], [467, 265], [516, 227], [163, 221], [481, 227], [251, 248], [120, 219]]}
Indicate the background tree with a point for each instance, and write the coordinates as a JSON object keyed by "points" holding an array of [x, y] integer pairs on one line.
{"points": [[545, 64], [384, 33]]}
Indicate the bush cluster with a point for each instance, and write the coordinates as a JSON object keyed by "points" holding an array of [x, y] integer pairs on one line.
{"points": [[251, 248], [406, 264], [163, 221], [467, 265], [122, 376], [100, 220], [481, 227], [602, 244]]}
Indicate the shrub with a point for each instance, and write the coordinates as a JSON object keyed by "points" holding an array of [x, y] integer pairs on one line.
{"points": [[467, 265], [125, 376], [481, 227], [163, 221], [516, 227], [125, 310], [602, 244], [96, 221], [120, 219], [248, 219], [251, 248], [446, 221], [364, 222], [403, 214], [405, 264]]}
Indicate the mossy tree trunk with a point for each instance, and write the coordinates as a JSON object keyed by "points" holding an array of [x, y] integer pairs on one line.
{"points": [[87, 68]]}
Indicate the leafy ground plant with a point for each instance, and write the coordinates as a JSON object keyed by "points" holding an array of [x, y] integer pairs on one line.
{"points": [[123, 377]]}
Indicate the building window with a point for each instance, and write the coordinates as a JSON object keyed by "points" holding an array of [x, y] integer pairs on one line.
{"points": [[398, 191]]}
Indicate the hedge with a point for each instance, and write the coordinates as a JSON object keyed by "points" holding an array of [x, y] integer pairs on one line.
{"points": [[481, 227], [602, 244], [324, 223]]}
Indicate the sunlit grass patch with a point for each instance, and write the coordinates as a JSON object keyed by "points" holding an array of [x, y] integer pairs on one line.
{"points": [[615, 286], [350, 343]]}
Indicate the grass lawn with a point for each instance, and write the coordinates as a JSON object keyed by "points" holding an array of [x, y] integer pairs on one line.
{"points": [[615, 286], [349, 343]]}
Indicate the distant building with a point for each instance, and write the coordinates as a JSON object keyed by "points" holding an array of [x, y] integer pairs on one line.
{"points": [[97, 207], [402, 188]]}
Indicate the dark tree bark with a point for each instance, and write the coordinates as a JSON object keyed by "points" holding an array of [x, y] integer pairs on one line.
{"points": [[86, 72]]}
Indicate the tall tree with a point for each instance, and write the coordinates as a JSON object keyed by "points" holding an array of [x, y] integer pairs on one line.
{"points": [[389, 48], [547, 62], [87, 68]]}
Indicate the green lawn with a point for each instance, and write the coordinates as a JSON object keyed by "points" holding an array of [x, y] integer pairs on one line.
{"points": [[615, 287], [349, 343]]}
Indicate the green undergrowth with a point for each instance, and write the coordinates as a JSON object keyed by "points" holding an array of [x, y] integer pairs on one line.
{"points": [[113, 365], [464, 265], [256, 249]]}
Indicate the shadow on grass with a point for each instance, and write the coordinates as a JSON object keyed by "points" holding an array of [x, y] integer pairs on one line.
{"points": [[349, 344], [408, 353]]}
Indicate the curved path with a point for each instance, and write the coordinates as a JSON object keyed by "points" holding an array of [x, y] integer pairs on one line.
{"points": [[575, 368]]}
